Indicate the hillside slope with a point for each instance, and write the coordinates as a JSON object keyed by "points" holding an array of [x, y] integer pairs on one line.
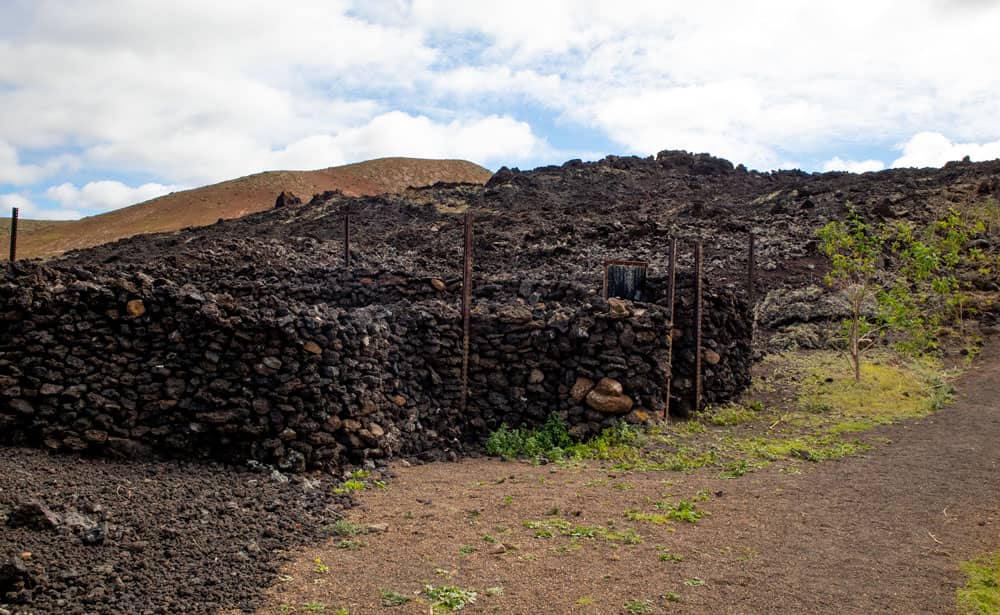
{"points": [[238, 197]]}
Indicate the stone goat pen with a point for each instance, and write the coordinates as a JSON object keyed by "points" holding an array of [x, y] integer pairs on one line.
{"points": [[250, 339]]}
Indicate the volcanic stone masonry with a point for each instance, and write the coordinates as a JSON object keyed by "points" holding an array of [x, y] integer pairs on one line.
{"points": [[365, 365]]}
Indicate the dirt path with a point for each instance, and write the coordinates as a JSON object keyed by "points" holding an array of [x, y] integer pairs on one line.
{"points": [[880, 533]]}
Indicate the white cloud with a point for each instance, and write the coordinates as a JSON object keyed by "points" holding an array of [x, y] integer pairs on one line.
{"points": [[28, 209], [486, 139], [15, 173], [932, 149], [106, 194], [852, 166]]}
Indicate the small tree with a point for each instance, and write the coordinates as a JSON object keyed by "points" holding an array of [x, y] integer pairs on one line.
{"points": [[914, 292], [854, 251]]}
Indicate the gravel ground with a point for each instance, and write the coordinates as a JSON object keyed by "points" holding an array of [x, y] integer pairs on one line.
{"points": [[97, 536]]}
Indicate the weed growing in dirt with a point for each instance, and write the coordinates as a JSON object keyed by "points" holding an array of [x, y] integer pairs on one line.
{"points": [[667, 556], [389, 598], [552, 435], [638, 607], [465, 550], [635, 515], [314, 607], [683, 510], [694, 582], [343, 527], [739, 468], [320, 567], [553, 442], [981, 594], [350, 545], [350, 485], [449, 598], [560, 527]]}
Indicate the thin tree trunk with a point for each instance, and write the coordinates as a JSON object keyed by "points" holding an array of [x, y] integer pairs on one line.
{"points": [[856, 343]]}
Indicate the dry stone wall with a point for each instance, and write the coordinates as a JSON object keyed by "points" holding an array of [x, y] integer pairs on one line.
{"points": [[360, 366]]}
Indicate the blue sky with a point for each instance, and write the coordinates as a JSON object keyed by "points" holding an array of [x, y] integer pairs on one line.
{"points": [[111, 102]]}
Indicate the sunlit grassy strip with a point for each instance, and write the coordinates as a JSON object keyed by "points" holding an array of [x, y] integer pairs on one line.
{"points": [[981, 594], [889, 389]]}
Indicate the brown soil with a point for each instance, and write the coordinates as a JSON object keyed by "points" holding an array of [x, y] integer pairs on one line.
{"points": [[239, 197], [879, 533]]}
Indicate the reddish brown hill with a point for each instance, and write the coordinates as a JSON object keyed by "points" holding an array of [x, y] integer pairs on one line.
{"points": [[239, 197]]}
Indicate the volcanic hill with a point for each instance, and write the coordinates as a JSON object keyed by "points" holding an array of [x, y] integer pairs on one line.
{"points": [[238, 197]]}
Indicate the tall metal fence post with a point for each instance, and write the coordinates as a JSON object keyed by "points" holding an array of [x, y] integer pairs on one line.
{"points": [[14, 214], [347, 239], [697, 325], [466, 307], [671, 289]]}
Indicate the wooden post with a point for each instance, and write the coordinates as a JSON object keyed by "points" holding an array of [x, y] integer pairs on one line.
{"points": [[347, 239], [697, 325], [14, 214], [671, 289], [466, 308]]}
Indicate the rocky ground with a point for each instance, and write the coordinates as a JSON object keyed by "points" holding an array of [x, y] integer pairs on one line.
{"points": [[95, 536]]}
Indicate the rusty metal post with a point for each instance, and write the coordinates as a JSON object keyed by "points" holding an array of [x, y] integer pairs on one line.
{"points": [[671, 289], [14, 214], [347, 239], [466, 307], [697, 325], [751, 271]]}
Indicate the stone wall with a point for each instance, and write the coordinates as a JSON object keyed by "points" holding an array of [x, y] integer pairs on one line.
{"points": [[123, 363]]}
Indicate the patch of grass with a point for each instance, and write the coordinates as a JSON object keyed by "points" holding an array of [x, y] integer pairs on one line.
{"points": [[638, 607], [694, 582], [981, 594], [343, 527], [731, 414], [684, 459], [890, 389], [466, 550], [551, 528], [314, 607], [449, 597], [808, 447], [672, 597], [391, 598], [584, 601]]}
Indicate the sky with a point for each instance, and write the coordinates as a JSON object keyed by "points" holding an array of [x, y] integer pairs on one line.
{"points": [[106, 103]]}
